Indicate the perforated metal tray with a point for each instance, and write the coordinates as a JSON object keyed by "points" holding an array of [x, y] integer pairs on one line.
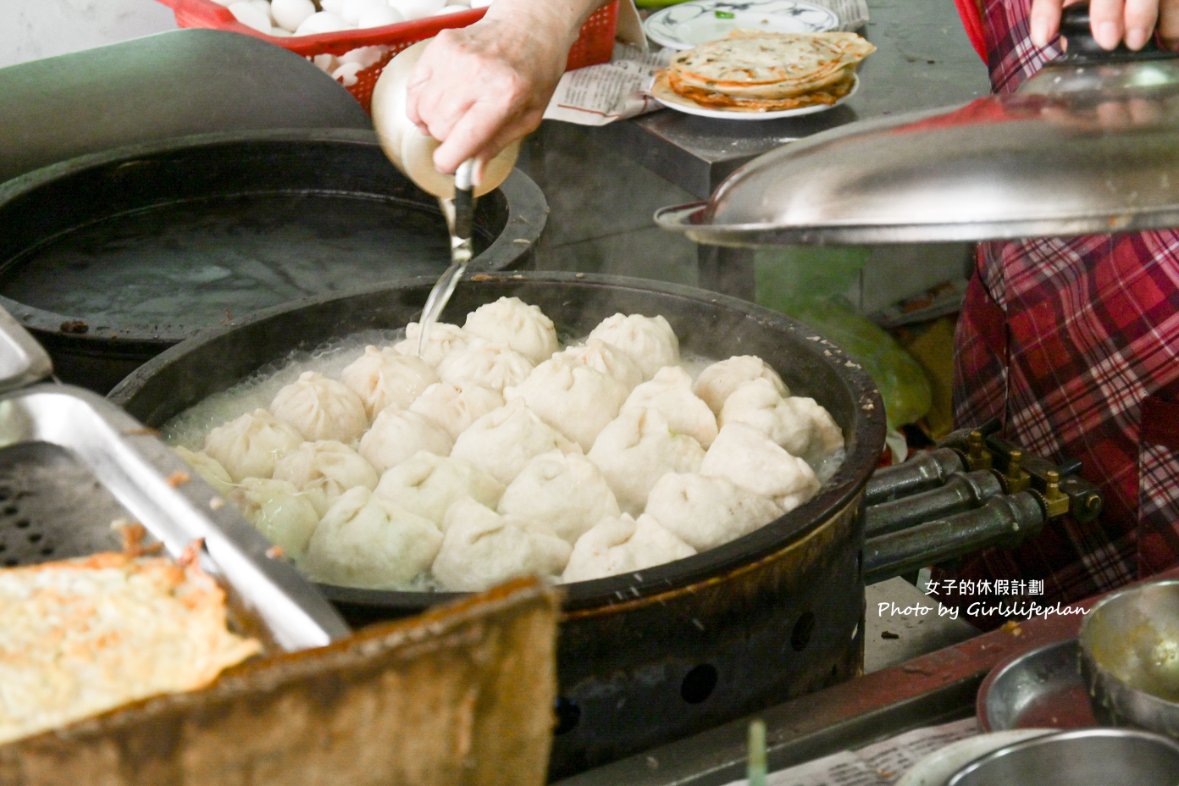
{"points": [[72, 464]]}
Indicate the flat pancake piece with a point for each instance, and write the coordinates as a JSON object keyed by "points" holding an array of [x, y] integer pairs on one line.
{"points": [[84, 636]]}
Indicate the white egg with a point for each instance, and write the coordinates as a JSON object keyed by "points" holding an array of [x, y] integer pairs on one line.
{"points": [[251, 16], [352, 10], [331, 5], [380, 16], [458, 3], [417, 9], [225, 3], [322, 22], [450, 9], [289, 14], [480, 3], [325, 62], [365, 56], [346, 73]]}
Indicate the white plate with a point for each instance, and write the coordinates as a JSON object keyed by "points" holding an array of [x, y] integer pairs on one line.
{"points": [[672, 100], [686, 25], [937, 768]]}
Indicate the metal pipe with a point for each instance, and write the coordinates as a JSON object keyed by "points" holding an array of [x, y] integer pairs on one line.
{"points": [[962, 491], [1002, 521], [921, 473]]}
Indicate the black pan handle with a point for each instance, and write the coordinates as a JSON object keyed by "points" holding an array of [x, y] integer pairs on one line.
{"points": [[1076, 27]]}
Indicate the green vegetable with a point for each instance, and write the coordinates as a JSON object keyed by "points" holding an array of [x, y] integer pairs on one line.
{"points": [[725, 15], [809, 285]]}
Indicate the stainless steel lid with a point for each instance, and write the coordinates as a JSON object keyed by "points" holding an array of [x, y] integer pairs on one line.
{"points": [[1089, 145]]}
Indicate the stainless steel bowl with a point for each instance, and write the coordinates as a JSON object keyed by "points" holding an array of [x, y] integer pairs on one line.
{"points": [[1129, 645], [1081, 757]]}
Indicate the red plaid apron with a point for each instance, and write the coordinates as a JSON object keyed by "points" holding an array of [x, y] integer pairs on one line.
{"points": [[1072, 344]]}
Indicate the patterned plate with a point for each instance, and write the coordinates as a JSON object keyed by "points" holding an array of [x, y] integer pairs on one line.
{"points": [[686, 25]]}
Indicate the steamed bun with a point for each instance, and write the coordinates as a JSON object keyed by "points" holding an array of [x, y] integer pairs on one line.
{"points": [[482, 548], [649, 341], [574, 399], [566, 491], [278, 511], [248, 445], [670, 392], [706, 511], [396, 434], [428, 484], [385, 377], [715, 382], [324, 470], [636, 449], [797, 423], [441, 339], [456, 405], [365, 540], [623, 544], [600, 356], [208, 468], [749, 458], [485, 363], [321, 408], [515, 324], [504, 440]]}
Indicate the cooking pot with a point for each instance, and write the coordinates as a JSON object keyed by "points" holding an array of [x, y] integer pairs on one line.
{"points": [[644, 657], [1129, 656], [111, 257]]}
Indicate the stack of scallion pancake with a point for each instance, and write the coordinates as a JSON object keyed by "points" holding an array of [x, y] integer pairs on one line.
{"points": [[764, 71]]}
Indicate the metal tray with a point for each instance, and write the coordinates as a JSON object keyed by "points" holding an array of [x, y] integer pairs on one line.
{"points": [[71, 463], [1038, 688]]}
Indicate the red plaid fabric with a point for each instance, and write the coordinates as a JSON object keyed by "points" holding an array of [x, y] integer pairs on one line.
{"points": [[1073, 345]]}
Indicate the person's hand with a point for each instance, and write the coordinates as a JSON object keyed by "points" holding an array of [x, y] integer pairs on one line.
{"points": [[477, 89], [1113, 21]]}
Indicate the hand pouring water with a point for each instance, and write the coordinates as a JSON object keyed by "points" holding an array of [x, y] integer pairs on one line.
{"points": [[412, 152], [460, 214]]}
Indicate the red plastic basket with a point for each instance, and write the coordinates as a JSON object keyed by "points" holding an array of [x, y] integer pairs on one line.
{"points": [[594, 45]]}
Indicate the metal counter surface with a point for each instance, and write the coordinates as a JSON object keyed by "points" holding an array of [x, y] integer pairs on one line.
{"points": [[923, 60]]}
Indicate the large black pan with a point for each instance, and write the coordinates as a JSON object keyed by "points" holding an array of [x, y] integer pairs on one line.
{"points": [[110, 258], [651, 656]]}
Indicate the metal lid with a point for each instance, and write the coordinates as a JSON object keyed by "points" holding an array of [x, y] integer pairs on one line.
{"points": [[1089, 145]]}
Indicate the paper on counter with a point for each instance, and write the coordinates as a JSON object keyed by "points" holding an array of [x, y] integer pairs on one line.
{"points": [[880, 764], [600, 94], [853, 14]]}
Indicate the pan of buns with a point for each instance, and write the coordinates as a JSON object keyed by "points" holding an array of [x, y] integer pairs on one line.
{"points": [[686, 641]]}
